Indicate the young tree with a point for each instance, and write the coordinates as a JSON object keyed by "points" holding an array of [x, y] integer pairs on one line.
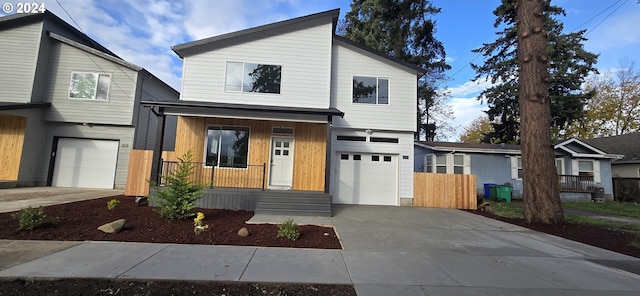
{"points": [[540, 182], [615, 107], [477, 130], [569, 65], [404, 29]]}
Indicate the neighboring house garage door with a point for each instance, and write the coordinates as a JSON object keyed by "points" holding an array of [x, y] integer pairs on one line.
{"points": [[85, 163], [366, 179]]}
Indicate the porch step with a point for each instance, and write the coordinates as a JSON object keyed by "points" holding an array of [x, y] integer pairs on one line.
{"points": [[294, 203]]}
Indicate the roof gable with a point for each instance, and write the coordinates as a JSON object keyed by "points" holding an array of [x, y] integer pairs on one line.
{"points": [[627, 145], [359, 47], [255, 33]]}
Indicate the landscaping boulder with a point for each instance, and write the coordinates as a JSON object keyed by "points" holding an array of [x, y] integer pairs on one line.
{"points": [[244, 232], [113, 227]]}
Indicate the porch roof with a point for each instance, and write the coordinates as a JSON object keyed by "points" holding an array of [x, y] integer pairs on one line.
{"points": [[19, 106], [212, 109]]}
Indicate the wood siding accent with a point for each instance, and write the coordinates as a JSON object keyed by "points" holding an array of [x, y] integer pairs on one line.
{"points": [[140, 171], [451, 191], [309, 146], [398, 115], [11, 141], [304, 52]]}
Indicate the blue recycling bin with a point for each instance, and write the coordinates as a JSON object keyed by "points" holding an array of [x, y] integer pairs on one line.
{"points": [[487, 192]]}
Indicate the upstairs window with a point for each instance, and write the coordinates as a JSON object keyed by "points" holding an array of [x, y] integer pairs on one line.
{"points": [[370, 90], [90, 86], [248, 77]]}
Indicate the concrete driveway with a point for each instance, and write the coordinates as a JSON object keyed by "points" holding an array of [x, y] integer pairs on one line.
{"points": [[418, 251], [14, 199]]}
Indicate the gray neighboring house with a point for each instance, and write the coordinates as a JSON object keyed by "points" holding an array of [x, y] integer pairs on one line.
{"points": [[581, 166], [627, 145], [70, 109]]}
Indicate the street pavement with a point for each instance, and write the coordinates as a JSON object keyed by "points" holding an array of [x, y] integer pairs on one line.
{"points": [[386, 251]]}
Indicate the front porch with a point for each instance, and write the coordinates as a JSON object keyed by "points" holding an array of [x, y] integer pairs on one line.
{"points": [[576, 188]]}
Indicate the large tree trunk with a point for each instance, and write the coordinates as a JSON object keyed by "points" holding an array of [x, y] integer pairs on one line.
{"points": [[540, 180]]}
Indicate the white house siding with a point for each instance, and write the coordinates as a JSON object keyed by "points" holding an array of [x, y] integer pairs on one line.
{"points": [[34, 135], [626, 170], [122, 134], [18, 57], [117, 109], [399, 114], [404, 147], [303, 54]]}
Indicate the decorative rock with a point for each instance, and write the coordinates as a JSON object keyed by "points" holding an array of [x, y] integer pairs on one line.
{"points": [[244, 232], [113, 227]]}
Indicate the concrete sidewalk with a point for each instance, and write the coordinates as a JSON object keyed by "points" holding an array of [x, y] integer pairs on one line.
{"points": [[603, 216], [387, 251]]}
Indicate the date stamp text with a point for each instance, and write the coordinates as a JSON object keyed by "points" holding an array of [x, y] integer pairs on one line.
{"points": [[21, 7]]}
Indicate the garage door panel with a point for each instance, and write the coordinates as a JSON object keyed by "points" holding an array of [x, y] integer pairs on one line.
{"points": [[85, 163], [370, 180]]}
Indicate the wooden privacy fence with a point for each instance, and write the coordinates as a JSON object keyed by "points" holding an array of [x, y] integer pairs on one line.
{"points": [[140, 171], [452, 191]]}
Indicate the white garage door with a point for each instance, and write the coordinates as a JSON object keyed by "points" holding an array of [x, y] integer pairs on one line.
{"points": [[366, 179], [85, 163]]}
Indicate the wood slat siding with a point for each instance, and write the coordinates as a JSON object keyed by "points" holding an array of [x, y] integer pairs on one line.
{"points": [[11, 141], [304, 54], [140, 171], [19, 50], [452, 191], [309, 146]]}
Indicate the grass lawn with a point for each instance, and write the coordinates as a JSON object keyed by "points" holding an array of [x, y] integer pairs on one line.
{"points": [[515, 210], [626, 209]]}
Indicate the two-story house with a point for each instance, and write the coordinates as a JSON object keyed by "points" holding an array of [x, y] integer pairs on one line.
{"points": [[70, 109], [291, 106]]}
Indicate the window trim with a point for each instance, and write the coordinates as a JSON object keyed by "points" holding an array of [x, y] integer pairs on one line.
{"points": [[241, 91], [95, 93], [449, 163], [516, 170], [206, 140], [388, 79]]}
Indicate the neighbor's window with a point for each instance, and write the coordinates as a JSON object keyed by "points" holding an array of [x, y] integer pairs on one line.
{"points": [[441, 164], [519, 167], [248, 77], [227, 146], [585, 168], [370, 90], [458, 164], [91, 86], [429, 164]]}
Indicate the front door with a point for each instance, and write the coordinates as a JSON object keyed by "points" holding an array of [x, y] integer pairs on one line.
{"points": [[281, 172]]}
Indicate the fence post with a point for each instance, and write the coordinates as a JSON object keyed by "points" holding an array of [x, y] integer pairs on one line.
{"points": [[264, 172]]}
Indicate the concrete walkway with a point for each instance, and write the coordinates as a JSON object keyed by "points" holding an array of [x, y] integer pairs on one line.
{"points": [[603, 216], [14, 199], [387, 251]]}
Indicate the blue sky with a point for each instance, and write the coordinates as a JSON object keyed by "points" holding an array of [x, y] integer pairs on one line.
{"points": [[142, 32]]}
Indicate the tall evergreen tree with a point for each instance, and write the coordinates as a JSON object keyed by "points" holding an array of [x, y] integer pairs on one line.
{"points": [[569, 65], [405, 30]]}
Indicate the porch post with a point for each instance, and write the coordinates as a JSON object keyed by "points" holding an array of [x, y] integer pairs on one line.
{"points": [[156, 162], [327, 160]]}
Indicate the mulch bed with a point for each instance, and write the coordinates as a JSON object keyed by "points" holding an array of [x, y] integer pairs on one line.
{"points": [[79, 221], [617, 241]]}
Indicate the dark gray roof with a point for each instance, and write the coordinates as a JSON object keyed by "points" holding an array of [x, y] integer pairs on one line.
{"points": [[418, 69], [470, 145], [20, 19], [627, 145], [242, 107], [291, 24], [18, 106]]}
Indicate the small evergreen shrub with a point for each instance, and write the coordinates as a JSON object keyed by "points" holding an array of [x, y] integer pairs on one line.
{"points": [[31, 218], [176, 199], [288, 229], [112, 204]]}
